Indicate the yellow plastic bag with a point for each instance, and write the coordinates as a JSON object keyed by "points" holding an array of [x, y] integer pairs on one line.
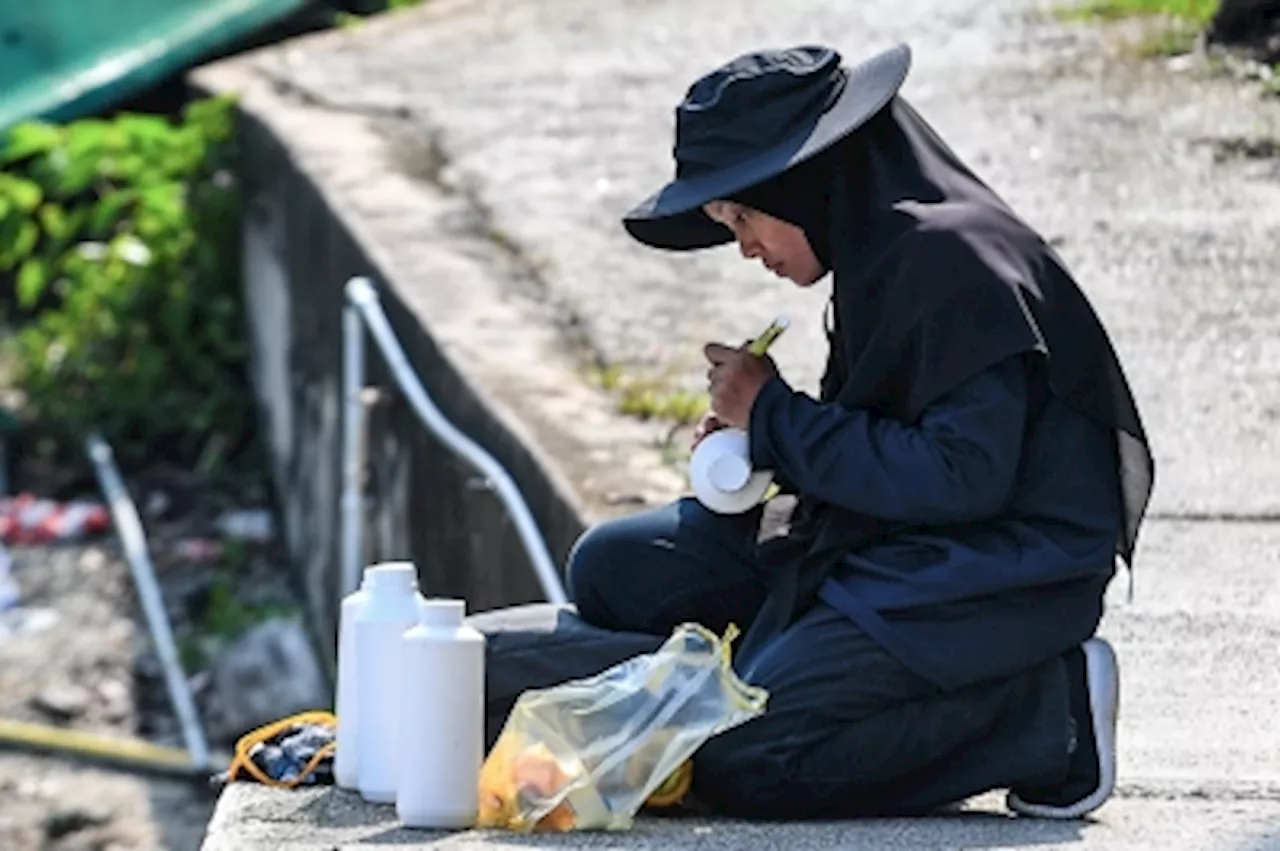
{"points": [[587, 754]]}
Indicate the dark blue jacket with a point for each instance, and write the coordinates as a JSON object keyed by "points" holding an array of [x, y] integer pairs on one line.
{"points": [[1015, 502]]}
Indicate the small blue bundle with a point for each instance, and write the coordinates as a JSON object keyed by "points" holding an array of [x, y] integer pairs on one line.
{"points": [[284, 758]]}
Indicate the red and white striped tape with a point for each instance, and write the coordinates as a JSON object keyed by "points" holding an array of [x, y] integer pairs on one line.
{"points": [[26, 519]]}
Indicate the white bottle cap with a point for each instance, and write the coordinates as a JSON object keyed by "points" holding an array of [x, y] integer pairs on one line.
{"points": [[393, 575], [438, 611]]}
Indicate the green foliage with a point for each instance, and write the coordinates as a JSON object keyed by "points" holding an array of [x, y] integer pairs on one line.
{"points": [[120, 238], [1198, 11], [1174, 39], [226, 618], [353, 20], [1176, 26], [647, 400], [650, 397], [225, 615]]}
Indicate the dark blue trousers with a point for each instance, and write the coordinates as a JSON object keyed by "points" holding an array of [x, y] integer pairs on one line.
{"points": [[848, 731]]}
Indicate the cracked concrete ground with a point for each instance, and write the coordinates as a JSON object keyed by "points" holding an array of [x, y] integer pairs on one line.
{"points": [[485, 149]]}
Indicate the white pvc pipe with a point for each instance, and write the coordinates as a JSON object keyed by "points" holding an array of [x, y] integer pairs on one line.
{"points": [[353, 371], [362, 295], [129, 527]]}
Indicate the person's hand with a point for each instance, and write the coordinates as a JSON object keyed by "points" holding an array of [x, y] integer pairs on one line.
{"points": [[709, 423], [734, 381]]}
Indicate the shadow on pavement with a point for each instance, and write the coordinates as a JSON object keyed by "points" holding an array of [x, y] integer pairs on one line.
{"points": [[960, 830]]}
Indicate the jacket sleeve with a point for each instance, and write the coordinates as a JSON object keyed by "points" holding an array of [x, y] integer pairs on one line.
{"points": [[956, 464]]}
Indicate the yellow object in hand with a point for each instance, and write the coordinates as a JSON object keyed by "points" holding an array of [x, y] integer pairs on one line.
{"points": [[761, 344]]}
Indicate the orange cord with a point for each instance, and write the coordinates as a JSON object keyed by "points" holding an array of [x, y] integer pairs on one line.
{"points": [[245, 743]]}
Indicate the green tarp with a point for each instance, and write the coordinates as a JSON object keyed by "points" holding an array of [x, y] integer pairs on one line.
{"points": [[62, 59]]}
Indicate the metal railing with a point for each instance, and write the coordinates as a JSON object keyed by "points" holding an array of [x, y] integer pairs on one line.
{"points": [[132, 537], [363, 309]]}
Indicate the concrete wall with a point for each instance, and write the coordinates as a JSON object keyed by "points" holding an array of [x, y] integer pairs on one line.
{"points": [[421, 503]]}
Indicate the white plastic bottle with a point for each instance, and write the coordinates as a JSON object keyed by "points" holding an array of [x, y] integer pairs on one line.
{"points": [[391, 609], [346, 758], [441, 719], [346, 755]]}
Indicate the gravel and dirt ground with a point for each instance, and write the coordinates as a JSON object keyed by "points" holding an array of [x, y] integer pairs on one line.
{"points": [[76, 654], [73, 666]]}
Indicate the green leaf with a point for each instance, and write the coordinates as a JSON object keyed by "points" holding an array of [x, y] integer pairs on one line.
{"points": [[167, 200], [110, 210], [24, 194], [32, 279], [54, 219], [145, 130], [28, 236], [74, 174], [88, 136], [62, 227], [29, 139]]}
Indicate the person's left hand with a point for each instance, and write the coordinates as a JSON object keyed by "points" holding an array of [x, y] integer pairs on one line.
{"points": [[734, 380]]}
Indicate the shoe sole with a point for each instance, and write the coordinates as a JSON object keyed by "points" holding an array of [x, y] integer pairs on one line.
{"points": [[1102, 675]]}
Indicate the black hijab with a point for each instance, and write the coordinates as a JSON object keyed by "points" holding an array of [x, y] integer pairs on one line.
{"points": [[935, 280]]}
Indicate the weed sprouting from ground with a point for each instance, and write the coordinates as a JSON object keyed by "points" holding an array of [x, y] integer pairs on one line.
{"points": [[1194, 11]]}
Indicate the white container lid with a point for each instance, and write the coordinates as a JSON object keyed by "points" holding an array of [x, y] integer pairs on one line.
{"points": [[392, 575], [440, 611], [721, 474]]}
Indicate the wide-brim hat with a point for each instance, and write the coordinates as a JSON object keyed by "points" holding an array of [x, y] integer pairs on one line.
{"points": [[752, 119]]}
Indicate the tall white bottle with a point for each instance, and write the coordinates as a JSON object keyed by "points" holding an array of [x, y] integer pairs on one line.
{"points": [[441, 719], [392, 608], [346, 758]]}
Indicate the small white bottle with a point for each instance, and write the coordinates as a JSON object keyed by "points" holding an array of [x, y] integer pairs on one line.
{"points": [[346, 758], [441, 719], [390, 610]]}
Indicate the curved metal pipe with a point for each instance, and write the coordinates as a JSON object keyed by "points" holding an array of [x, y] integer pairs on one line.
{"points": [[364, 298], [353, 370]]}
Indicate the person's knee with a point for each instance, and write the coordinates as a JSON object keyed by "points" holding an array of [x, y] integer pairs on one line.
{"points": [[592, 569]]}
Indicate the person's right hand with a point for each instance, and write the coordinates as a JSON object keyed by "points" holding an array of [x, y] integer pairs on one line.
{"points": [[709, 423]]}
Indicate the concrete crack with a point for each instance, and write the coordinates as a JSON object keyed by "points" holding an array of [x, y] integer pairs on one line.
{"points": [[1216, 516], [1210, 790], [288, 88]]}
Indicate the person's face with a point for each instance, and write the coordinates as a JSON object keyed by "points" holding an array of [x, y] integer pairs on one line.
{"points": [[780, 246]]}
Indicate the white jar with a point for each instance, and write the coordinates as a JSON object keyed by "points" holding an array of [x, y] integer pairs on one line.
{"points": [[441, 719], [390, 610]]}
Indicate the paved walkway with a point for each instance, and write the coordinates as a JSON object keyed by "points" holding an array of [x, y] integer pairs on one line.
{"points": [[552, 117]]}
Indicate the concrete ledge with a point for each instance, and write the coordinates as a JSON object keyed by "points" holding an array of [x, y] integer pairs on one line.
{"points": [[252, 818]]}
